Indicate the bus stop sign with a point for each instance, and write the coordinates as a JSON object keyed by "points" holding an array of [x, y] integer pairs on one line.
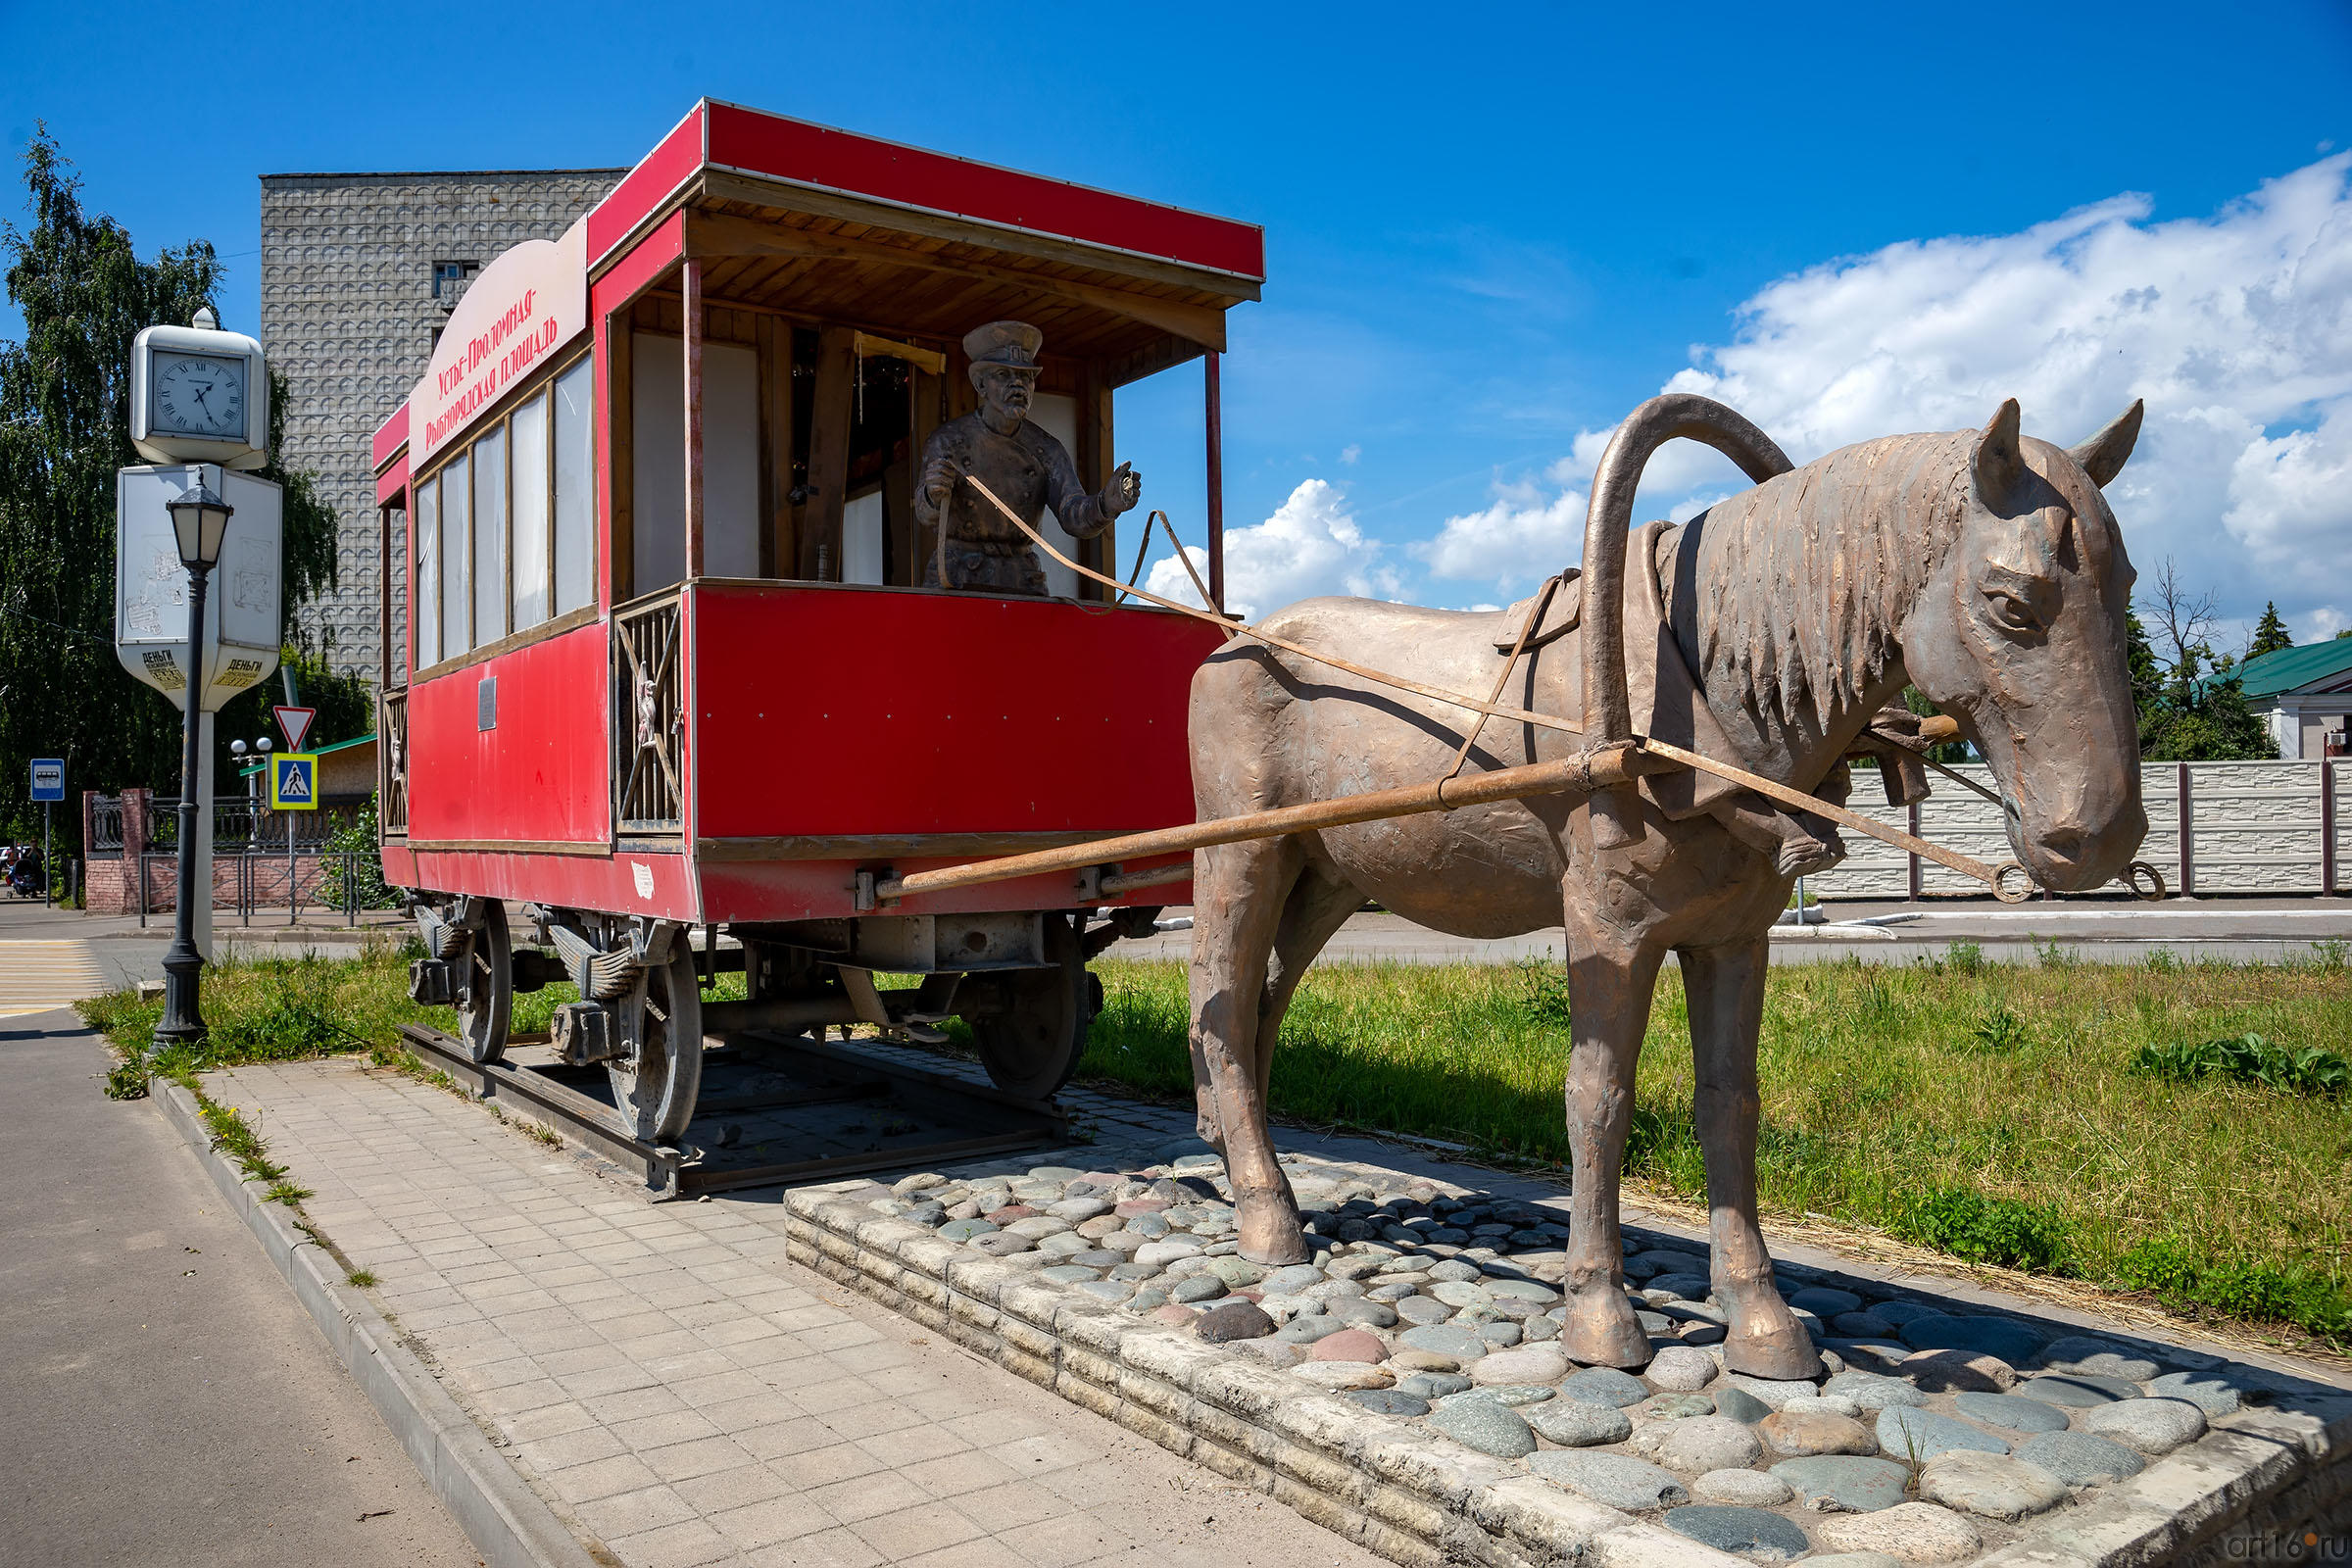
{"points": [[294, 781], [48, 778]]}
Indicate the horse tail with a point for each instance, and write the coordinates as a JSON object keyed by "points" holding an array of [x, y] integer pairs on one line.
{"points": [[1608, 714]]}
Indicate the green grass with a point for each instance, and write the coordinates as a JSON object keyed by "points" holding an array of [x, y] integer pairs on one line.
{"points": [[1999, 1113], [1990, 1111]]}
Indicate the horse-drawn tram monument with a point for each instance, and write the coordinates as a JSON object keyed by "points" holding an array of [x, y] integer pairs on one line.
{"points": [[759, 663]]}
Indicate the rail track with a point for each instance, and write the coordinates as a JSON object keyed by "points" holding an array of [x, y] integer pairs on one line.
{"points": [[774, 1108]]}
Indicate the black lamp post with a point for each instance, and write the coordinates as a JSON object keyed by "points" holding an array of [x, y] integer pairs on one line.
{"points": [[199, 519]]}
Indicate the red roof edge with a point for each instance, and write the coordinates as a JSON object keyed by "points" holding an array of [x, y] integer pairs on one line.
{"points": [[392, 435], [798, 152]]}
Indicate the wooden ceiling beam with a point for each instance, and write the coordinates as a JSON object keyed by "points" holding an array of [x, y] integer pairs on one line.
{"points": [[720, 234]]}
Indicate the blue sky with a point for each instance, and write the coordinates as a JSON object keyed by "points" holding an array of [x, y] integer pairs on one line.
{"points": [[1490, 230]]}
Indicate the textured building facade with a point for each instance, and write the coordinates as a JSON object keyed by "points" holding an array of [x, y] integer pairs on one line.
{"points": [[359, 272]]}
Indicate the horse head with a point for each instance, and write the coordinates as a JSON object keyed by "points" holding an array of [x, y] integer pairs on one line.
{"points": [[2019, 634]]}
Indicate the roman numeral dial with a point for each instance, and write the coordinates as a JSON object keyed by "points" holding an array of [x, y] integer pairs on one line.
{"points": [[197, 394]]}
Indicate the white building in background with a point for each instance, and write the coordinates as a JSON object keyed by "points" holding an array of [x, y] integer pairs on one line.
{"points": [[2305, 694]]}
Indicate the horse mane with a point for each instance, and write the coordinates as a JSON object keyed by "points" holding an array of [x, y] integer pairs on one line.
{"points": [[1788, 598]]}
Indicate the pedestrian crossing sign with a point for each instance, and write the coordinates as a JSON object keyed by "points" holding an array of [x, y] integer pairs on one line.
{"points": [[294, 781]]}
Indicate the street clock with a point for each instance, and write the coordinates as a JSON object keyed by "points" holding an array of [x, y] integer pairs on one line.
{"points": [[199, 395]]}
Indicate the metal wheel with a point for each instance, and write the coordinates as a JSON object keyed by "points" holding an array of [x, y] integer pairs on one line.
{"points": [[656, 1087], [485, 986], [1032, 1048]]}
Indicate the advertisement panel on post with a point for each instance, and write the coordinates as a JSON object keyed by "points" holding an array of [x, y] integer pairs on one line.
{"points": [[241, 626]]}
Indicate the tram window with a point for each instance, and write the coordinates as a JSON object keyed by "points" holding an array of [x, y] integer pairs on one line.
{"points": [[428, 519], [730, 460], [490, 537], [528, 430], [575, 494], [457, 496]]}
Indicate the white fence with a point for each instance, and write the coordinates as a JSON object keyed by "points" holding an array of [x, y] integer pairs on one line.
{"points": [[2213, 827]]}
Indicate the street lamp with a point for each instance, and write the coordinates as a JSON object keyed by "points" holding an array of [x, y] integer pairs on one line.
{"points": [[199, 518]]}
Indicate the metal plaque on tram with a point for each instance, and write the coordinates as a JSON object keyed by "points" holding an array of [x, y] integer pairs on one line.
{"points": [[241, 626]]}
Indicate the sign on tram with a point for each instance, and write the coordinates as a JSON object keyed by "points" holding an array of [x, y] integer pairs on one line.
{"points": [[294, 781], [48, 778]]}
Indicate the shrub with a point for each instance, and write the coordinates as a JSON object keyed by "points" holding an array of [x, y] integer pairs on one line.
{"points": [[1986, 1230], [358, 842], [2249, 1058], [2001, 1031], [1546, 996], [2168, 1267]]}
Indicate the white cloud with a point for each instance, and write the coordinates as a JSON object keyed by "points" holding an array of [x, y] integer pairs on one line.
{"points": [[2237, 328], [1520, 539], [1309, 547], [1349, 453], [2318, 625]]}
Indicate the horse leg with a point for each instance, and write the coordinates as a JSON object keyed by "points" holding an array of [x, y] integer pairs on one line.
{"points": [[1319, 905], [1239, 893], [1610, 979], [1726, 989]]}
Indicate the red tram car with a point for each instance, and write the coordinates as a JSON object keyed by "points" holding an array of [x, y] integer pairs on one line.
{"points": [[655, 653]]}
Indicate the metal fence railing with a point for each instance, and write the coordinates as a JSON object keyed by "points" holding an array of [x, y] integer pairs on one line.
{"points": [[334, 883], [106, 825]]}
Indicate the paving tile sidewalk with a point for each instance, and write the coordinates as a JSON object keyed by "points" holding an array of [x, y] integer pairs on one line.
{"points": [[685, 1394]]}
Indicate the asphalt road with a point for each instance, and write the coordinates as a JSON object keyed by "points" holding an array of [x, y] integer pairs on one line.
{"points": [[166, 1399]]}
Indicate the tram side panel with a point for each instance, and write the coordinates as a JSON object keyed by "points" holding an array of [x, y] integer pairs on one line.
{"points": [[828, 714]]}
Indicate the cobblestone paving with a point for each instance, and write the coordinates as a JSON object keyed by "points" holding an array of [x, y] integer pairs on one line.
{"points": [[685, 1394]]}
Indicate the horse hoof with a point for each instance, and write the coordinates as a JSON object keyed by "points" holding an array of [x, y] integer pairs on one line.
{"points": [[1764, 1339], [1783, 1356], [1605, 1333], [1272, 1239]]}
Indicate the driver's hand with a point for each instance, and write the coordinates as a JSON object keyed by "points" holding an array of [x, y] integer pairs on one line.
{"points": [[939, 483], [1125, 490]]}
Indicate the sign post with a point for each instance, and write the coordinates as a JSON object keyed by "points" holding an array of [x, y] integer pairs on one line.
{"points": [[293, 786], [48, 788]]}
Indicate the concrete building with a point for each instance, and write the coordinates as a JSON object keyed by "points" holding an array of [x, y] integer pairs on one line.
{"points": [[2305, 694], [359, 272]]}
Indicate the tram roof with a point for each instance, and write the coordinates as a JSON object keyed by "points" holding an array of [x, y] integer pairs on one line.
{"points": [[823, 222]]}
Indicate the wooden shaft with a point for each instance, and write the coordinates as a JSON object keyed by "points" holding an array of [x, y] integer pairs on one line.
{"points": [[1157, 876], [1600, 770]]}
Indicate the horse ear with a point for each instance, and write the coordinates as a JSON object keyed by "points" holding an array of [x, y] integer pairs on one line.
{"points": [[2104, 455], [1998, 462]]}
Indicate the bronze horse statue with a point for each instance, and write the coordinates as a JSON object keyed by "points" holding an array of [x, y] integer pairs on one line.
{"points": [[1982, 567]]}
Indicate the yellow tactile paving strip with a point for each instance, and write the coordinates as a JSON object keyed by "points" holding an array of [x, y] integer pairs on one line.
{"points": [[37, 976]]}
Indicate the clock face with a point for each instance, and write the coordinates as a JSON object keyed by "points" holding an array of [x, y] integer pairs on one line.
{"points": [[198, 394]]}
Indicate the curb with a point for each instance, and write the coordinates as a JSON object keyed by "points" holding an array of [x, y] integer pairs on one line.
{"points": [[508, 1523]]}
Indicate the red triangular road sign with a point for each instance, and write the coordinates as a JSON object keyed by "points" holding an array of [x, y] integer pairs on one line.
{"points": [[296, 723]]}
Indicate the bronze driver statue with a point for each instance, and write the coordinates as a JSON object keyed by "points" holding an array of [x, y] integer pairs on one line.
{"points": [[1025, 467]]}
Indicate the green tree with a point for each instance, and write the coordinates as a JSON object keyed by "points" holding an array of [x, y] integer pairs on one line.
{"points": [[2270, 633], [2191, 701], [65, 428]]}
